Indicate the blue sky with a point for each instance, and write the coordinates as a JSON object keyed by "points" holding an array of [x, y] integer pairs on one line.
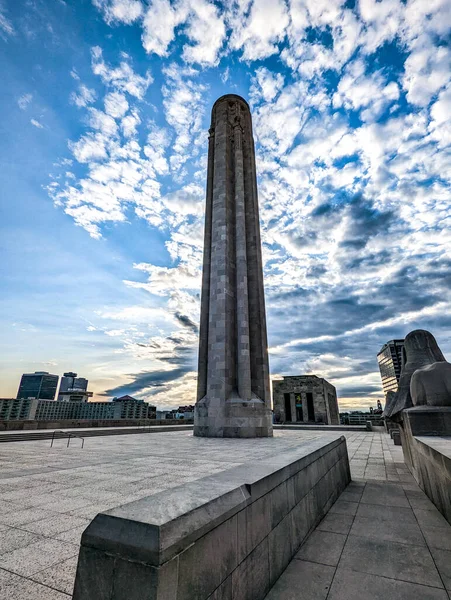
{"points": [[105, 112]]}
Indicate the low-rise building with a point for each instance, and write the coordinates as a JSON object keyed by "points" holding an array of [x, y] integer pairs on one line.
{"points": [[74, 396], [361, 418], [17, 409], [55, 410], [182, 412], [131, 408], [305, 399]]}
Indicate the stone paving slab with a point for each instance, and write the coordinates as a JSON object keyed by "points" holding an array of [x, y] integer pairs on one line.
{"points": [[353, 585], [303, 580], [391, 559], [323, 547]]}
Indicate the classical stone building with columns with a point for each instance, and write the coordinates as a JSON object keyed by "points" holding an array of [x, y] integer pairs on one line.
{"points": [[305, 399]]}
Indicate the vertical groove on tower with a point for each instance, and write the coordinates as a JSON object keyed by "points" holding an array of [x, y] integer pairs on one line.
{"points": [[242, 301], [205, 297]]}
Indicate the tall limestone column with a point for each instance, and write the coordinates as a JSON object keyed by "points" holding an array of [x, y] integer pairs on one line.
{"points": [[233, 395]]}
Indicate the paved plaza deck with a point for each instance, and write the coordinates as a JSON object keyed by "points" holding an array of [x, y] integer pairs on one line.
{"points": [[380, 541], [49, 495]]}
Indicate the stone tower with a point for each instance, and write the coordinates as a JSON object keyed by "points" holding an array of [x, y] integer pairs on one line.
{"points": [[233, 395]]}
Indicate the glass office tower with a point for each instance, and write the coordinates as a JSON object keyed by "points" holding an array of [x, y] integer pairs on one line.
{"points": [[40, 385], [389, 358]]}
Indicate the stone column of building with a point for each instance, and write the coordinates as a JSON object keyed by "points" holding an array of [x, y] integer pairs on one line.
{"points": [[233, 398]]}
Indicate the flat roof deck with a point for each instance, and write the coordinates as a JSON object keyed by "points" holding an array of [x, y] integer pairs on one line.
{"points": [[49, 495]]}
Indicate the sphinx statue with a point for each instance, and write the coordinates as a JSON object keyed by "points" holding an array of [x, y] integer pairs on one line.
{"points": [[421, 353], [431, 385]]}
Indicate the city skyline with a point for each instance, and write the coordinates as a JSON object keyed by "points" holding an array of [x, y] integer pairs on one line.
{"points": [[106, 111]]}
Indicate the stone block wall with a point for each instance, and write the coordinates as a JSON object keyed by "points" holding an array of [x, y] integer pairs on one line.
{"points": [[426, 444], [432, 459], [218, 538], [324, 395]]}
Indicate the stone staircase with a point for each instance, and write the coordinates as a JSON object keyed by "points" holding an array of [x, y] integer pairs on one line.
{"points": [[47, 434]]}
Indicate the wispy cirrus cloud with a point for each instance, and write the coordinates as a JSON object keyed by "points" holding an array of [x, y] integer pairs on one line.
{"points": [[24, 101], [6, 26]]}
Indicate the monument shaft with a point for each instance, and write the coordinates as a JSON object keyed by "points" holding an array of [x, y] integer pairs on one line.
{"points": [[233, 398]]}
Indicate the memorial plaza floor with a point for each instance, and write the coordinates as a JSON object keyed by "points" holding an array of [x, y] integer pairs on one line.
{"points": [[382, 539]]}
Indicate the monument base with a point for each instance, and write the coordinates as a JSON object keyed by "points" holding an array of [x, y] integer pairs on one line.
{"points": [[235, 418], [225, 536]]}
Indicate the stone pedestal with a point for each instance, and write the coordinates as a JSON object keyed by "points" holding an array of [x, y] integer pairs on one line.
{"points": [[428, 420], [233, 398]]}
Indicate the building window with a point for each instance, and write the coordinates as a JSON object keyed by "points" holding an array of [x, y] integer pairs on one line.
{"points": [[299, 411], [310, 407], [287, 407]]}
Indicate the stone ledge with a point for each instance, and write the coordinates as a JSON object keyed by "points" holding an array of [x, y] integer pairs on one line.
{"points": [[192, 540], [174, 518]]}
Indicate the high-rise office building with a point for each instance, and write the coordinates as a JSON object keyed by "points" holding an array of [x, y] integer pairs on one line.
{"points": [[40, 384], [73, 388], [389, 358]]}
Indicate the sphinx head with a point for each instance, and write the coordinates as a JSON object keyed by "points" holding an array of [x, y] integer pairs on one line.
{"points": [[421, 349]]}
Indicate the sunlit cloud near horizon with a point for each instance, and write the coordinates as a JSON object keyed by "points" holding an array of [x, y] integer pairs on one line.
{"points": [[106, 110]]}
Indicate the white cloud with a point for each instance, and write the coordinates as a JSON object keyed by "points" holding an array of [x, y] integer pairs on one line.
{"points": [[440, 125], [116, 105], [24, 101], [136, 314], [266, 84], [356, 90], [36, 123], [89, 147], [102, 122], [163, 279], [259, 31], [184, 103], [123, 11], [84, 96], [122, 78], [441, 109], [159, 24], [206, 29], [6, 27], [129, 124], [427, 70], [382, 21]]}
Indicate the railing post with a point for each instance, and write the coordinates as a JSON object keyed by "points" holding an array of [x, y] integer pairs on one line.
{"points": [[68, 441], [53, 437]]}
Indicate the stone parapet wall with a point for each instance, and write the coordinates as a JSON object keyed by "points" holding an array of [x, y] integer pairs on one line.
{"points": [[87, 423], [433, 471], [426, 444], [229, 535]]}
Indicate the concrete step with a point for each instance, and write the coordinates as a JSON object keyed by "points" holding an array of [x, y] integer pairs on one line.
{"points": [[47, 434], [317, 427]]}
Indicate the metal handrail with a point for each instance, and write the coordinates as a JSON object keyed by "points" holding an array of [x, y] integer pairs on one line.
{"points": [[69, 435]]}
